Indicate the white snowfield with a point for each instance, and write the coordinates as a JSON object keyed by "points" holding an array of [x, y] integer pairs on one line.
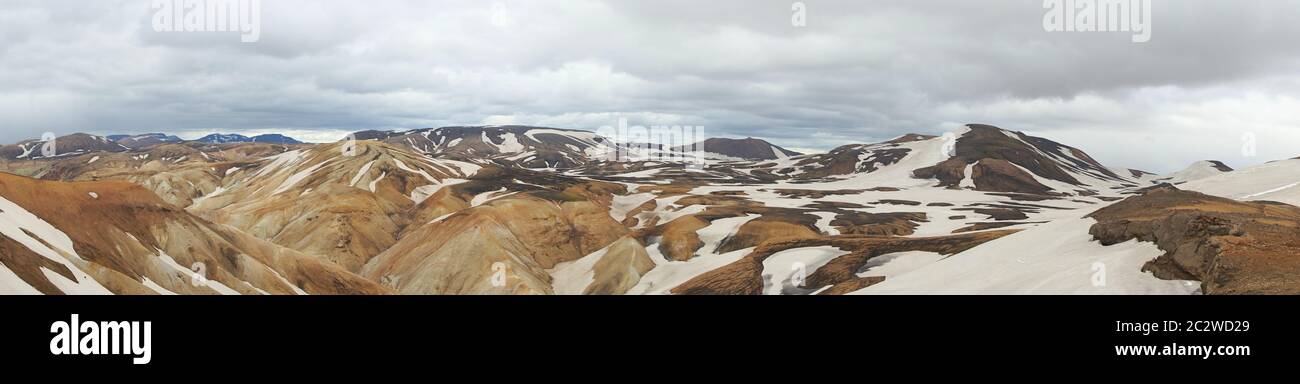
{"points": [[1054, 258], [11, 284], [1053, 255], [785, 271], [1277, 181], [669, 274], [1197, 171], [923, 153], [896, 264], [510, 143], [587, 138], [25, 228]]}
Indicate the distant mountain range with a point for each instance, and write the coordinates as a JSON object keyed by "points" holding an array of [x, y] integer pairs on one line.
{"points": [[145, 140], [273, 138], [82, 143]]}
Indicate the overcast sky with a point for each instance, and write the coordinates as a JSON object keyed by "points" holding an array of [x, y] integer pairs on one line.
{"points": [[859, 71]]}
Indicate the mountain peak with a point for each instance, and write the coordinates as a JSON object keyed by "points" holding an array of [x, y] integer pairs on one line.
{"points": [[1219, 165], [144, 140], [910, 138], [747, 148], [1000, 160], [219, 138], [1196, 171], [273, 138], [68, 145]]}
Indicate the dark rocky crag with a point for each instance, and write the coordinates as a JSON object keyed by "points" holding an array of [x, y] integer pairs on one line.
{"points": [[1231, 247]]}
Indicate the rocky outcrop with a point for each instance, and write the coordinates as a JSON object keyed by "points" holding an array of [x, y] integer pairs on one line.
{"points": [[1232, 247], [878, 224], [679, 239], [768, 228]]}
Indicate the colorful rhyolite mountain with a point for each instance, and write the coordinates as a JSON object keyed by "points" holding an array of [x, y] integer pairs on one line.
{"points": [[531, 210]]}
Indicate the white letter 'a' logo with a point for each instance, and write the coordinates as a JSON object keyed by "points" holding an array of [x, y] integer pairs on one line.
{"points": [[800, 16], [499, 274]]}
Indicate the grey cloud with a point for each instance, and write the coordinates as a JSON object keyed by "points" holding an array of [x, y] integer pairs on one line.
{"points": [[859, 71]]}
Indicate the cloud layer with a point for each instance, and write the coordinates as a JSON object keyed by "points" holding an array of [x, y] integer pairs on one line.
{"points": [[1215, 72]]}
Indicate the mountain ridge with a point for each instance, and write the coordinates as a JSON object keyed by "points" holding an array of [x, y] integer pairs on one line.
{"points": [[531, 210]]}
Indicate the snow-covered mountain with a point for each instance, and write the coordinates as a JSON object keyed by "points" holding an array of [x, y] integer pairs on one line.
{"points": [[272, 138], [528, 147], [740, 149], [980, 157], [220, 138], [1276, 181], [144, 140], [1196, 171], [541, 147], [64, 146], [530, 210]]}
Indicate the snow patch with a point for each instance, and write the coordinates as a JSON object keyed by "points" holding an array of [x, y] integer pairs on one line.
{"points": [[784, 271], [1054, 258], [375, 182], [218, 191], [824, 220], [895, 264], [361, 173], [297, 177], [420, 172], [669, 274], [190, 275], [11, 284], [623, 204], [510, 144], [279, 161], [485, 197], [573, 277], [422, 193], [20, 225], [968, 181]]}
